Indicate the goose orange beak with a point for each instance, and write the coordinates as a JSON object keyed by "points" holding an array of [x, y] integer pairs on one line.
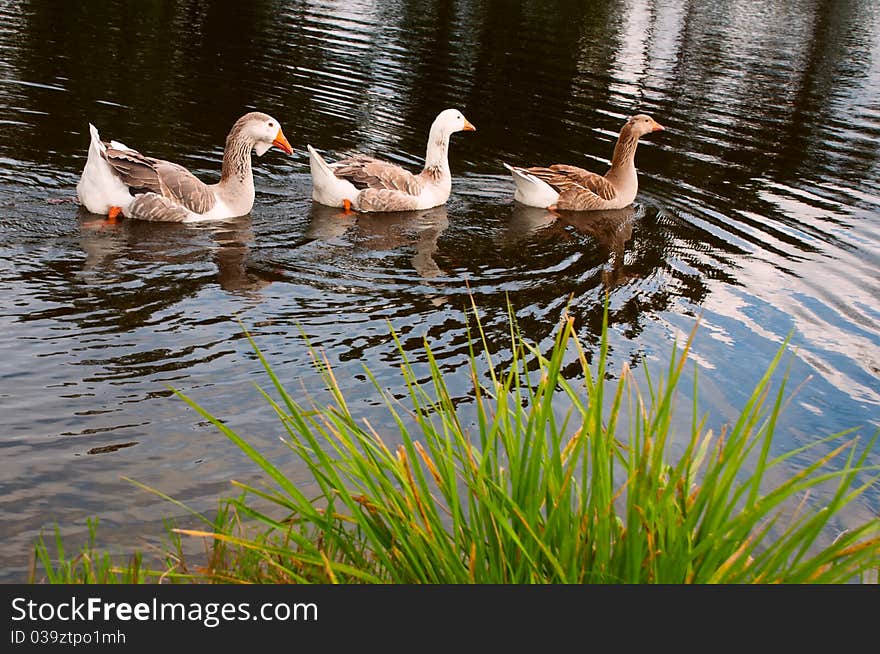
{"points": [[468, 126], [657, 127], [281, 143]]}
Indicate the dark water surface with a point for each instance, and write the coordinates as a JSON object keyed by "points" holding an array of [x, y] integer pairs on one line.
{"points": [[759, 208]]}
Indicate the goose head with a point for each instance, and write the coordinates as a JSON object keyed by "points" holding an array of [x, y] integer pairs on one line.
{"points": [[262, 131], [450, 121], [642, 124]]}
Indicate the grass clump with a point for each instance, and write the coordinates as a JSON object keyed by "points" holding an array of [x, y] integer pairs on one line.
{"points": [[527, 493]]}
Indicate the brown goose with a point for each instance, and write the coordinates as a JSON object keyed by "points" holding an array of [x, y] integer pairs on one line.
{"points": [[367, 184], [117, 179], [574, 189]]}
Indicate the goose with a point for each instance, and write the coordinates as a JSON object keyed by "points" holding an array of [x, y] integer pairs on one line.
{"points": [[363, 183], [571, 188], [117, 179]]}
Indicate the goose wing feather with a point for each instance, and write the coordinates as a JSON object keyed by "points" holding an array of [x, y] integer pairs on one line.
{"points": [[571, 179], [148, 175], [369, 173]]}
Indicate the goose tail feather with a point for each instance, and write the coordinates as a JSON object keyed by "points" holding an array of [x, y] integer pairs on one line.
{"points": [[530, 190]]}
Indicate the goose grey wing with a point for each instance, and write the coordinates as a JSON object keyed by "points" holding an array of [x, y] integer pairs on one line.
{"points": [[369, 173], [135, 170], [386, 199], [172, 181], [182, 186], [157, 208]]}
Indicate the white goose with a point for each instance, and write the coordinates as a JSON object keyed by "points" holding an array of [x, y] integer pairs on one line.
{"points": [[574, 189], [117, 179], [367, 184]]}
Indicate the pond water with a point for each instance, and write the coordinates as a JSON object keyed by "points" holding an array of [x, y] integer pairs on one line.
{"points": [[758, 210]]}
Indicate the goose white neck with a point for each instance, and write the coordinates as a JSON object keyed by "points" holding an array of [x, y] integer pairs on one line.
{"points": [[437, 154]]}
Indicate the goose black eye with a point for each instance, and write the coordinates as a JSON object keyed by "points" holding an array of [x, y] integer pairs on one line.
{"points": [[271, 124]]}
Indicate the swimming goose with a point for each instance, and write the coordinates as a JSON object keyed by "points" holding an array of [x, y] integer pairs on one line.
{"points": [[367, 184], [117, 179], [574, 189]]}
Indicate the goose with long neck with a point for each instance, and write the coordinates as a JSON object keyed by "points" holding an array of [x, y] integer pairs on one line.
{"points": [[570, 188], [363, 183], [118, 180]]}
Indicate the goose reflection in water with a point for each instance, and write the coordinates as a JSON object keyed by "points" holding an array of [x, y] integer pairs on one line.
{"points": [[608, 229], [419, 230], [129, 247]]}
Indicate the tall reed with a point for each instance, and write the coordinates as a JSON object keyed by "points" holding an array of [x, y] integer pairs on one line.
{"points": [[522, 491]]}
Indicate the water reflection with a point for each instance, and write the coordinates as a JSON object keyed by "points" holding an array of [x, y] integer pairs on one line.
{"points": [[525, 223], [134, 275], [122, 248], [231, 255], [610, 230], [328, 223], [607, 233], [416, 230]]}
